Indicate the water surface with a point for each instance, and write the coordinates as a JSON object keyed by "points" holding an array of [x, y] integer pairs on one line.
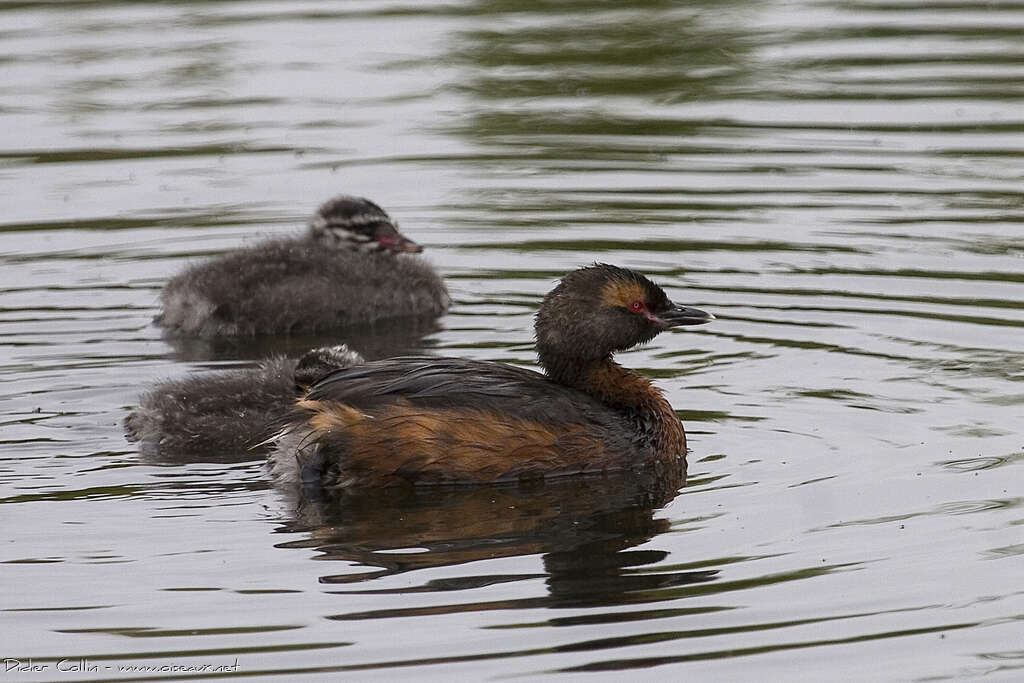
{"points": [[839, 182]]}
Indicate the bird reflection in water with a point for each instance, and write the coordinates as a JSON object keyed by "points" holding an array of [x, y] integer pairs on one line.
{"points": [[584, 527], [383, 339]]}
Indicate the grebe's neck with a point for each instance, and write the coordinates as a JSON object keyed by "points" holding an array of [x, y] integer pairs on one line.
{"points": [[625, 390]]}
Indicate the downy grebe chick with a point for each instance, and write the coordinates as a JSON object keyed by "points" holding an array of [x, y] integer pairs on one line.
{"points": [[351, 267], [445, 420], [228, 411]]}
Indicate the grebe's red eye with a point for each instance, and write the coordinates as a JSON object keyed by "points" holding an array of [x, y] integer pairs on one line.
{"points": [[637, 305]]}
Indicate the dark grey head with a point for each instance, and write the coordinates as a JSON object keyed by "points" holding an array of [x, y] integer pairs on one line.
{"points": [[346, 222], [322, 361], [598, 310]]}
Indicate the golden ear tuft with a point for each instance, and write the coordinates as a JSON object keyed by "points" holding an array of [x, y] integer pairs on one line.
{"points": [[620, 292]]}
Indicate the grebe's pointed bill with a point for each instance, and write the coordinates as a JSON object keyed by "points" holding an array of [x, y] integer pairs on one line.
{"points": [[398, 243], [684, 315]]}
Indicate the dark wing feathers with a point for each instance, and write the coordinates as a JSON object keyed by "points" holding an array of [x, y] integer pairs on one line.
{"points": [[460, 383]]}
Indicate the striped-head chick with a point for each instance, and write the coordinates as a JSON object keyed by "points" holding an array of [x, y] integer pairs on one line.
{"points": [[356, 223], [322, 361]]}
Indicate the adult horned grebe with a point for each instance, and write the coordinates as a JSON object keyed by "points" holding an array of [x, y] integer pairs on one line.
{"points": [[444, 420]]}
